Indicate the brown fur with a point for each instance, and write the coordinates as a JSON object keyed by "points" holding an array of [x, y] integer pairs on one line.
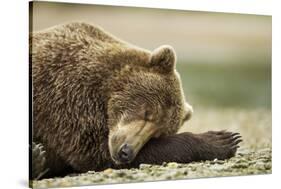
{"points": [[86, 82]]}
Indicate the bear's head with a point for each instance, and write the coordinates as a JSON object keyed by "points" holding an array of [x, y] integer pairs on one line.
{"points": [[147, 101]]}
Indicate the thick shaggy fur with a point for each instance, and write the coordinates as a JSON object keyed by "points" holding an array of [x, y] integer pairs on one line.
{"points": [[86, 80]]}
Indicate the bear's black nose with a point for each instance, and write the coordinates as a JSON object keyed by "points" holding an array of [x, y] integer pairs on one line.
{"points": [[125, 154]]}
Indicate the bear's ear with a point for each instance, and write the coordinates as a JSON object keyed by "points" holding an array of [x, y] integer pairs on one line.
{"points": [[163, 58]]}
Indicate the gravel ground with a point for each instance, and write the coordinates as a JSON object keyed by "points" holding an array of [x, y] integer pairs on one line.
{"points": [[254, 156], [246, 162]]}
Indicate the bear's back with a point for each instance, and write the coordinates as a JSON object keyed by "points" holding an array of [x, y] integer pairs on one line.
{"points": [[71, 67], [68, 40]]}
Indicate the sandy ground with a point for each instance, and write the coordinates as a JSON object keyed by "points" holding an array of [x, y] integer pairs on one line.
{"points": [[245, 163], [253, 157]]}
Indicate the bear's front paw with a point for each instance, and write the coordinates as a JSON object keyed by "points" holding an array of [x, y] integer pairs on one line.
{"points": [[38, 161], [224, 144]]}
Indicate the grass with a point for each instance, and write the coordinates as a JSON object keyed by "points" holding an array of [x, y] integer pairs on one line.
{"points": [[230, 96], [227, 85]]}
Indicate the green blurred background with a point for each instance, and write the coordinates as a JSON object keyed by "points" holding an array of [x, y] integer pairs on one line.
{"points": [[224, 59]]}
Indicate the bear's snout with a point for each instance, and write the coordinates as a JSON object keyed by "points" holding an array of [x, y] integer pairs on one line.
{"points": [[126, 154], [126, 140]]}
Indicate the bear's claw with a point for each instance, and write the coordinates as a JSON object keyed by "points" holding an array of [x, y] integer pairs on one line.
{"points": [[38, 161], [223, 143]]}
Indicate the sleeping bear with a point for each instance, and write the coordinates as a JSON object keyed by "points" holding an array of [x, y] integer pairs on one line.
{"points": [[99, 102]]}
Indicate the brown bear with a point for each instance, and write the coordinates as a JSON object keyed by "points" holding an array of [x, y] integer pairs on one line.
{"points": [[100, 102]]}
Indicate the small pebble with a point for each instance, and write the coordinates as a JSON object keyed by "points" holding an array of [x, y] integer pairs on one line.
{"points": [[145, 166], [107, 171], [240, 165], [172, 165]]}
